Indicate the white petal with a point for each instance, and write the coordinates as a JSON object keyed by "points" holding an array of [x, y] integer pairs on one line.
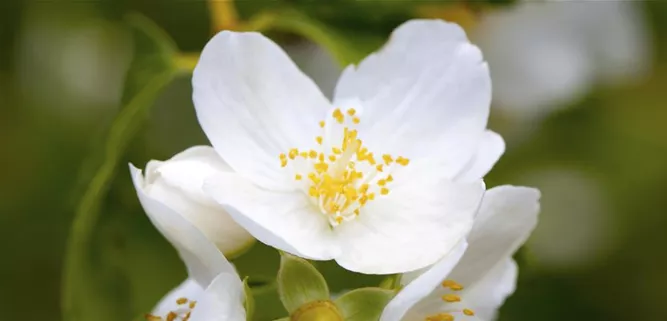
{"points": [[490, 148], [284, 220], [421, 219], [189, 289], [178, 184], [488, 294], [421, 287], [253, 103], [202, 259], [222, 300], [426, 94], [507, 217]]}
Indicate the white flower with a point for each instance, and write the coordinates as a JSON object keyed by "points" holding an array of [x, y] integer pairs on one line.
{"points": [[384, 179], [472, 283], [177, 185], [547, 53], [213, 290]]}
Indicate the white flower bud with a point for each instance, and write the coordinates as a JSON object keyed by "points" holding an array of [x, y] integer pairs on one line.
{"points": [[177, 183]]}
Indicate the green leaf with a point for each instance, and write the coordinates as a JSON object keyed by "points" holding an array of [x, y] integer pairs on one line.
{"points": [[249, 301], [364, 304], [299, 282], [93, 290], [392, 282]]}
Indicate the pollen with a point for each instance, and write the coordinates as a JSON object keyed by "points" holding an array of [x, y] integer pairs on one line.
{"points": [[451, 298], [344, 176]]}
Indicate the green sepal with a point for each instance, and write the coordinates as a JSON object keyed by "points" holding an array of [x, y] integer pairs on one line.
{"points": [[299, 282], [365, 304]]}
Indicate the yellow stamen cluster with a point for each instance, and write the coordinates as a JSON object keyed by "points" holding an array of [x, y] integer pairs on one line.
{"points": [[342, 176], [185, 310], [450, 298]]}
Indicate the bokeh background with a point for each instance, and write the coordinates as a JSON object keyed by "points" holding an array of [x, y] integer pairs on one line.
{"points": [[580, 91]]}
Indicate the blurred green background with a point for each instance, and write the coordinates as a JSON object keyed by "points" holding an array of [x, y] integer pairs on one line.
{"points": [[579, 95]]}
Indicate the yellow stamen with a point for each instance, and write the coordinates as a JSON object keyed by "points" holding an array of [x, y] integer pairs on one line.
{"points": [[171, 316], [338, 116], [336, 180], [468, 312], [452, 285], [181, 301], [451, 298], [403, 161]]}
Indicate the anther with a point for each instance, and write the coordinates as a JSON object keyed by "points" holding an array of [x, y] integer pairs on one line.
{"points": [[150, 317], [351, 111], [384, 191], [403, 161], [468, 312], [452, 285], [319, 139], [181, 301], [293, 153], [451, 298], [171, 316], [297, 177], [321, 123], [338, 115]]}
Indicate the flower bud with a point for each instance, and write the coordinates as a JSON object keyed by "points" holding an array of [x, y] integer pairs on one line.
{"points": [[178, 184]]}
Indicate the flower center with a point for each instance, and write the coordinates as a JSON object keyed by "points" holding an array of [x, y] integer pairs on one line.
{"points": [[448, 315], [341, 175], [182, 313]]}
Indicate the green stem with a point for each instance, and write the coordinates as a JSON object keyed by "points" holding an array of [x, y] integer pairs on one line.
{"points": [[87, 214]]}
